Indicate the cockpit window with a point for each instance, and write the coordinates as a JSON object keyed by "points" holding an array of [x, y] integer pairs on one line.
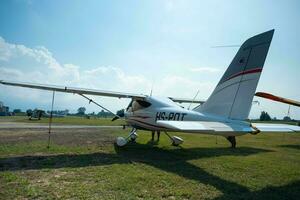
{"points": [[137, 105], [144, 104]]}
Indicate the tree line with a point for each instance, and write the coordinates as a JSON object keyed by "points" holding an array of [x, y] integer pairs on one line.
{"points": [[81, 111]]}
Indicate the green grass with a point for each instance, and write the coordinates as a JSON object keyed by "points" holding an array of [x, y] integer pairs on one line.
{"points": [[264, 166], [92, 121], [64, 120]]}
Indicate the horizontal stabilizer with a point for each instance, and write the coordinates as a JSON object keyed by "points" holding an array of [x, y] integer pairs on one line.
{"points": [[265, 127], [186, 100], [205, 127]]}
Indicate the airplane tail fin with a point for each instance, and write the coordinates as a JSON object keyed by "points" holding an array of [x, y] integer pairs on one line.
{"points": [[232, 97]]}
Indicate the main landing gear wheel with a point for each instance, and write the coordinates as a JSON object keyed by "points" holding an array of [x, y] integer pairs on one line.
{"points": [[176, 141]]}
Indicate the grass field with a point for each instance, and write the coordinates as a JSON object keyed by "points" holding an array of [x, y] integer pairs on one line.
{"points": [[92, 121], [85, 164]]}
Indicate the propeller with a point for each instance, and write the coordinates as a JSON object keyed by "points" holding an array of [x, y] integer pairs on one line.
{"points": [[120, 113]]}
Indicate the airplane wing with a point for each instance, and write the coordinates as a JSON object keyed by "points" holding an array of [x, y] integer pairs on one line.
{"points": [[203, 126], [269, 127], [73, 90], [277, 98]]}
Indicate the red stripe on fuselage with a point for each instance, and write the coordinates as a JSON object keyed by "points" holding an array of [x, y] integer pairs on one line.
{"points": [[250, 71], [142, 117], [148, 124]]}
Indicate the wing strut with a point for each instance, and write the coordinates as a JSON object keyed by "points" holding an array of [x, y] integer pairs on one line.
{"points": [[92, 101], [50, 120]]}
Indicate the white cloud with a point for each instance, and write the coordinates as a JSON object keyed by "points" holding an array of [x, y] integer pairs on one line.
{"points": [[5, 72], [177, 86], [4, 50], [21, 63]]}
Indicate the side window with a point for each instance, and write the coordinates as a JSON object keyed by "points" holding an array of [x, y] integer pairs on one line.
{"points": [[144, 104], [137, 105]]}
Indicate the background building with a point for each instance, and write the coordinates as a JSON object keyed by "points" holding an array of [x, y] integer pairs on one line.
{"points": [[4, 110]]}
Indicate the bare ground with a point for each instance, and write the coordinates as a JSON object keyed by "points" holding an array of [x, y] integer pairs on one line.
{"points": [[68, 137]]}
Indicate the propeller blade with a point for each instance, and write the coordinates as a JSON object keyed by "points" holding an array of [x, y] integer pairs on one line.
{"points": [[115, 118], [120, 113]]}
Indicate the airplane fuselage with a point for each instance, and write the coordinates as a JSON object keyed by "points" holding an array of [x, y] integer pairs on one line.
{"points": [[163, 109]]}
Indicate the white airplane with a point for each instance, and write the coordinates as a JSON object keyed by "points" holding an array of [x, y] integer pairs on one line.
{"points": [[224, 113]]}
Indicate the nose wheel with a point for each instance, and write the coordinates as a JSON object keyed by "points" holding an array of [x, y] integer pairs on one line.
{"points": [[121, 141]]}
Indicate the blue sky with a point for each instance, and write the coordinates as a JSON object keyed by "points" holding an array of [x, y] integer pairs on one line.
{"points": [[132, 45]]}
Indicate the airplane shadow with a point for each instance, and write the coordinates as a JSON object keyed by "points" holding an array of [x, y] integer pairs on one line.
{"points": [[289, 192], [292, 146], [133, 152], [170, 160]]}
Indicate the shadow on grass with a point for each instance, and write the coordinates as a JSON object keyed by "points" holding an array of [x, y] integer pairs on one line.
{"points": [[292, 146], [133, 152], [58, 161], [175, 161], [170, 160], [289, 192]]}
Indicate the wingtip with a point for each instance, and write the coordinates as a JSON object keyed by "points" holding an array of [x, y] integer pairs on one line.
{"points": [[3, 82]]}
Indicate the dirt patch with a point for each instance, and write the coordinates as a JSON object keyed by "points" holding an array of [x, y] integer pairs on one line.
{"points": [[60, 136]]}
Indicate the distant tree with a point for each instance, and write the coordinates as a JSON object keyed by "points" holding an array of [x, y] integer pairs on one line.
{"points": [[17, 110], [268, 117], [66, 112], [287, 118], [81, 111], [104, 114], [29, 112], [40, 114], [59, 112], [101, 114], [264, 116]]}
